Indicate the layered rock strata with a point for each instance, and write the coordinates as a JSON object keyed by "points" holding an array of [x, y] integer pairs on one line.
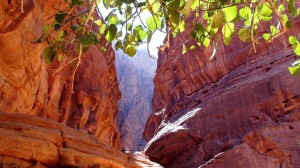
{"points": [[29, 141], [241, 103], [135, 76], [28, 85]]}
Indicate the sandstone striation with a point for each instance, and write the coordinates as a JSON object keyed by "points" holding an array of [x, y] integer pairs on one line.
{"points": [[241, 103], [135, 76], [29, 141], [29, 86]]}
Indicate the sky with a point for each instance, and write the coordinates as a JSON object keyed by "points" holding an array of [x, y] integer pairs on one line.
{"points": [[157, 38]]}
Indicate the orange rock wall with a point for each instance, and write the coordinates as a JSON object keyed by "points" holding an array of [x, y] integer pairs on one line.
{"points": [[239, 103], [28, 86], [28, 141]]}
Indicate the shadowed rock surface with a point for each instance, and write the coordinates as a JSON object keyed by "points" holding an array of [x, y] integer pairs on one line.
{"points": [[239, 103], [135, 76]]}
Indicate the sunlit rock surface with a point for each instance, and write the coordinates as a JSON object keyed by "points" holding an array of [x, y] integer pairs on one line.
{"points": [[29, 86], [135, 76], [28, 141], [241, 103]]}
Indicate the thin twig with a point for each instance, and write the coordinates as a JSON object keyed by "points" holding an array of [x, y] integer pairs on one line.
{"points": [[59, 69], [22, 6], [280, 17], [252, 34], [76, 67]]}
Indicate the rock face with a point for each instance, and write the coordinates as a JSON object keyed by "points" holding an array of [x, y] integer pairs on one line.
{"points": [[135, 76], [241, 103], [29, 141], [29, 86]]}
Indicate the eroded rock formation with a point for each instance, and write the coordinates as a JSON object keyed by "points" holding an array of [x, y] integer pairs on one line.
{"points": [[241, 103], [135, 76], [28, 141], [29, 86]]}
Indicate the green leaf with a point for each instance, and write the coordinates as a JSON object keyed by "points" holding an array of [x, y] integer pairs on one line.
{"points": [[120, 34], [192, 47], [295, 68], [102, 29], [46, 28], [113, 19], [118, 45], [230, 13], [129, 27], [87, 40], [206, 42], [280, 8], [291, 7], [149, 36], [98, 2], [187, 7], [267, 36], [265, 12], [49, 53], [228, 29], [60, 57], [60, 16], [98, 22], [107, 3], [288, 24], [244, 34], [174, 18], [155, 6], [103, 49], [153, 23], [273, 30], [130, 50], [56, 26], [245, 13], [77, 2], [140, 4], [297, 50], [139, 33], [226, 40], [73, 27], [111, 33], [293, 40], [217, 20], [128, 12]]}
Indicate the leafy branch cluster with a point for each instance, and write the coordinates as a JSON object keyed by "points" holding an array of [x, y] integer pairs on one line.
{"points": [[211, 19]]}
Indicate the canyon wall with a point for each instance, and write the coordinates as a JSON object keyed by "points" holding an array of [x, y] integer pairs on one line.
{"points": [[135, 76], [29, 86], [42, 123], [239, 109], [29, 141]]}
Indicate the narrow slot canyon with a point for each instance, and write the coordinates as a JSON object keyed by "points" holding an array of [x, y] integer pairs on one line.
{"points": [[222, 92]]}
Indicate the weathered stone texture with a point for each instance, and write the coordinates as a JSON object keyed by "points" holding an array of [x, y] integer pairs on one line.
{"points": [[29, 141], [29, 86], [202, 107]]}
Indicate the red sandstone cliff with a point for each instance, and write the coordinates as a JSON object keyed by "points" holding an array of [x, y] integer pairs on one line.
{"points": [[35, 101], [27, 84], [241, 103], [135, 76]]}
